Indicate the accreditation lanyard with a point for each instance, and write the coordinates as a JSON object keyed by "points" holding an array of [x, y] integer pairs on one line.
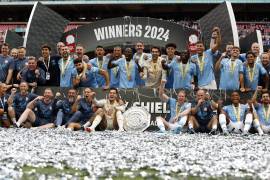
{"points": [[2, 101]]}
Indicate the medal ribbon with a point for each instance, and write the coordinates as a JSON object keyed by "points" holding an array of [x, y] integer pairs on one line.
{"points": [[182, 71], [237, 112], [266, 114], [201, 63], [233, 64], [64, 67], [129, 67], [251, 74], [177, 109]]}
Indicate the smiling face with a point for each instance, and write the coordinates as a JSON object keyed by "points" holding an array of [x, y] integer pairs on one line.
{"points": [[45, 52], [21, 53], [23, 87], [200, 48], [250, 58], [117, 52], [71, 95], [235, 97], [139, 47], [48, 94], [235, 52], [181, 97], [4, 50], [265, 98], [113, 95], [170, 51], [255, 48]]}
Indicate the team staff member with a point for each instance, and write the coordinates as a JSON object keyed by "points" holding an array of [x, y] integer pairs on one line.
{"points": [[6, 65]]}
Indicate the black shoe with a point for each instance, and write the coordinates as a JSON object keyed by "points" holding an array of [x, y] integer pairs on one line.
{"points": [[191, 131], [213, 132]]}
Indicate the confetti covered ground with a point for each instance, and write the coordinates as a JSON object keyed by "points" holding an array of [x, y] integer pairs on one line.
{"points": [[62, 154]]}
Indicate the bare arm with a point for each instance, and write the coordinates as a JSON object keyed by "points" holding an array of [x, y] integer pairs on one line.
{"points": [[32, 104], [106, 76], [9, 76], [216, 36], [161, 92], [218, 63]]}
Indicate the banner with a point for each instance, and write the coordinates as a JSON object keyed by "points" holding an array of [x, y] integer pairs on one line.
{"points": [[149, 98], [13, 39], [129, 30], [223, 17], [45, 26]]}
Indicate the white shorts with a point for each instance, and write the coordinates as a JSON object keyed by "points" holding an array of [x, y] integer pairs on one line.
{"points": [[211, 85], [236, 127], [109, 124]]}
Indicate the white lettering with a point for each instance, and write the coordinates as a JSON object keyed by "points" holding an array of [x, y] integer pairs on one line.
{"points": [[138, 30], [125, 30], [119, 32], [131, 30], [99, 34], [111, 32]]}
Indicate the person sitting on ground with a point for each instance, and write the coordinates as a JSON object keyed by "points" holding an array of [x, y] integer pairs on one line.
{"points": [[179, 110], [202, 117], [110, 114], [236, 118], [17, 102], [44, 114], [83, 109]]}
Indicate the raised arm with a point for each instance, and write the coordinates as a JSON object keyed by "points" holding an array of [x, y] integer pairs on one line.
{"points": [[216, 37], [161, 92]]}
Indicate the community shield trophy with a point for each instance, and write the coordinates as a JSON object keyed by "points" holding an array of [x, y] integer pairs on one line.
{"points": [[136, 119]]}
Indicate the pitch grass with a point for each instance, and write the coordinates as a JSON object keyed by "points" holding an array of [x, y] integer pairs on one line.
{"points": [[49, 172]]}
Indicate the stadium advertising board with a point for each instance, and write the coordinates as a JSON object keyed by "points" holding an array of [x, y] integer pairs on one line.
{"points": [[129, 30]]}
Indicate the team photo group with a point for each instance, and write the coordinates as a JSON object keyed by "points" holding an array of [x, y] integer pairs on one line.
{"points": [[131, 67]]}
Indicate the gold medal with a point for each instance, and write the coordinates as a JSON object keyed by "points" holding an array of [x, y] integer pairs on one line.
{"points": [[251, 72], [129, 67], [237, 112], [233, 64], [182, 70], [266, 113], [201, 62]]}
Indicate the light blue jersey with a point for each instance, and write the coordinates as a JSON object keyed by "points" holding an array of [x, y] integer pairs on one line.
{"points": [[127, 73], [234, 113], [66, 72], [204, 69], [263, 114], [114, 77], [252, 75], [91, 77], [229, 74], [170, 75], [142, 61], [183, 74], [175, 108], [101, 65]]}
